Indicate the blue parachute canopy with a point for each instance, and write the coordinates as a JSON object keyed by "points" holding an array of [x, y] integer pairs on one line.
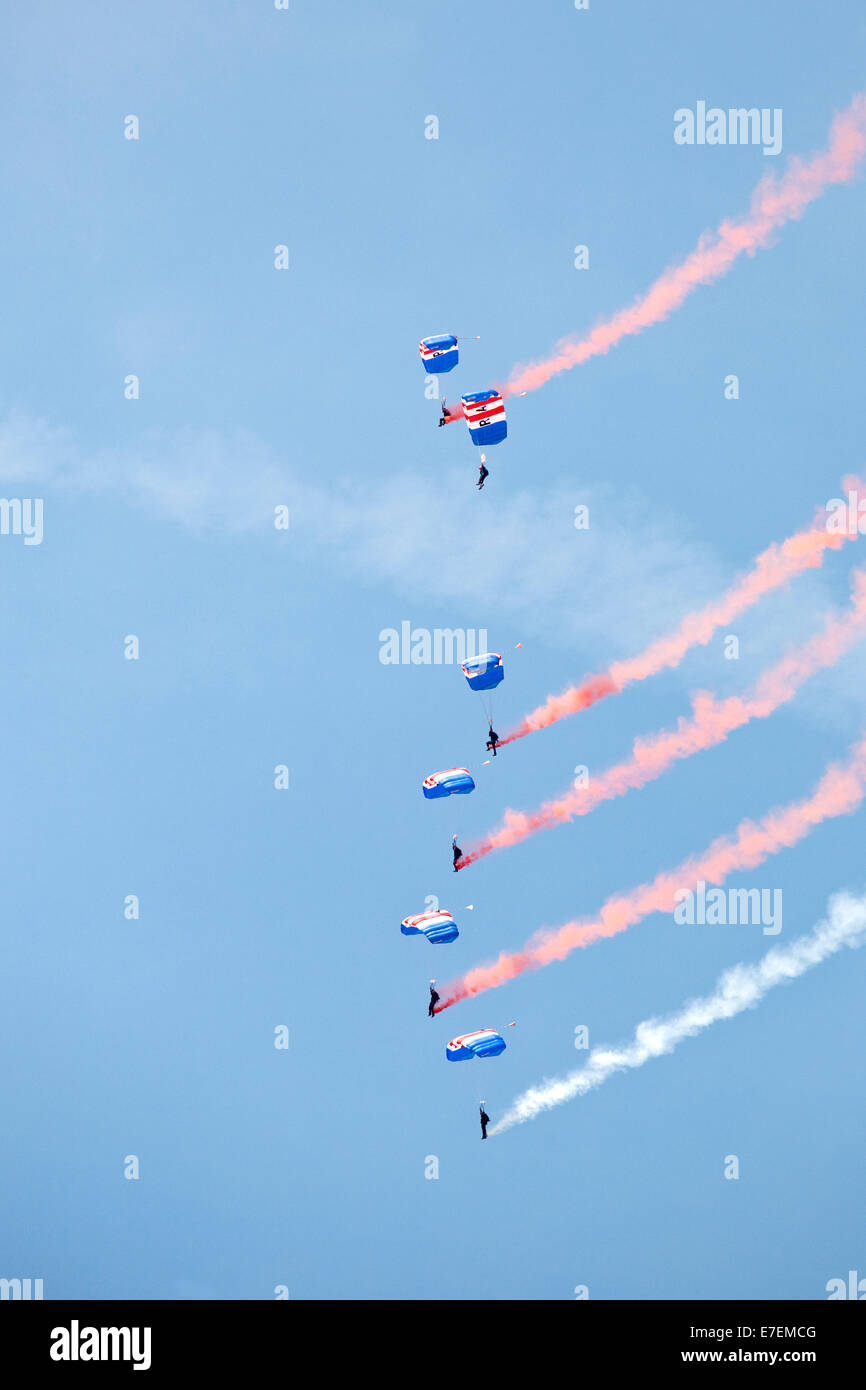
{"points": [[485, 416], [485, 1043], [439, 354], [484, 672], [438, 927], [456, 781]]}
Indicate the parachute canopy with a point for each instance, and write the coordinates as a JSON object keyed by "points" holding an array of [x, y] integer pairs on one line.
{"points": [[438, 927], [456, 781], [485, 416], [439, 354], [485, 1043], [484, 672]]}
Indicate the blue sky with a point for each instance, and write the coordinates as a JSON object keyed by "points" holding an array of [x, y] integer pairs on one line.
{"points": [[258, 387]]}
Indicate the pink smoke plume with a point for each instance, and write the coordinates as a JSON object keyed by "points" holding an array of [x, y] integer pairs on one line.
{"points": [[710, 723], [775, 201], [839, 792], [774, 567]]}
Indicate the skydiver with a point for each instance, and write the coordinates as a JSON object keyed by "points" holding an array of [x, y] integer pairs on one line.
{"points": [[483, 472], [492, 739], [485, 1121], [434, 1000], [446, 413], [456, 852]]}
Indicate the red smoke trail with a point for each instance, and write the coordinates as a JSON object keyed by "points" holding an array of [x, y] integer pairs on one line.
{"points": [[711, 722], [776, 200], [775, 566], [839, 792]]}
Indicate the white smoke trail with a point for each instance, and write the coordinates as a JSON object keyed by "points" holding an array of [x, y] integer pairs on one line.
{"points": [[741, 987]]}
